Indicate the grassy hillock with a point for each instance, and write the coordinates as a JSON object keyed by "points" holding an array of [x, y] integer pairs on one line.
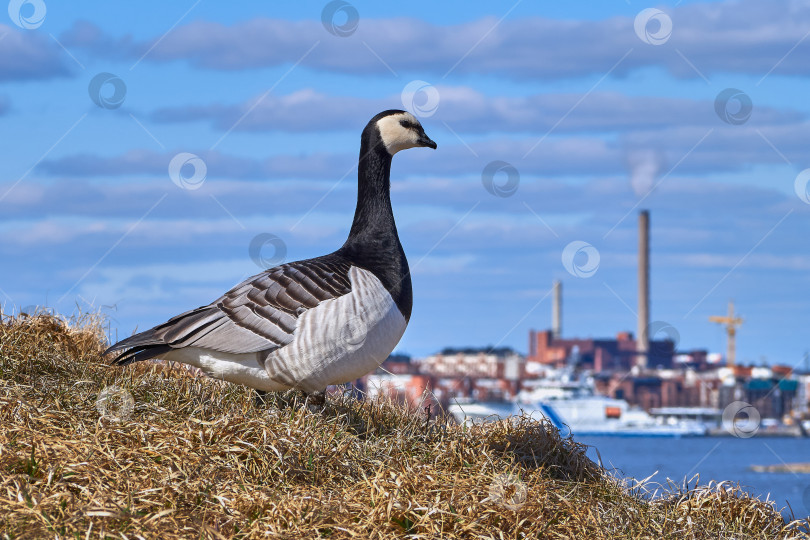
{"points": [[190, 457]]}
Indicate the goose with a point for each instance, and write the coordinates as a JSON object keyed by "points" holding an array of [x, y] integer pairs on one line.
{"points": [[311, 323]]}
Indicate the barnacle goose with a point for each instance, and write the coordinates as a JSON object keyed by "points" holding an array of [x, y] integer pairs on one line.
{"points": [[310, 323]]}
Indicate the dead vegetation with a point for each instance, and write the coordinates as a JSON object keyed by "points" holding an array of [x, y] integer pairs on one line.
{"points": [[190, 457]]}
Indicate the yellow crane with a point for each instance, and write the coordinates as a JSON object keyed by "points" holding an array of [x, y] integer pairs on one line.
{"points": [[731, 323]]}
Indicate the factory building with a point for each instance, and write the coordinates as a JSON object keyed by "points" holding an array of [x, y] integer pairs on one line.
{"points": [[598, 355]]}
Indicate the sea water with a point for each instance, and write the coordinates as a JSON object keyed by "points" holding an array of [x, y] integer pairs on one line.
{"points": [[713, 458]]}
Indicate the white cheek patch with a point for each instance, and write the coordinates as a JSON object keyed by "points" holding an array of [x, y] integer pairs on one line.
{"points": [[394, 136]]}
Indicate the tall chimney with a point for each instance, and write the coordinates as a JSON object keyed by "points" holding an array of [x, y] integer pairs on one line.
{"points": [[642, 339], [556, 310]]}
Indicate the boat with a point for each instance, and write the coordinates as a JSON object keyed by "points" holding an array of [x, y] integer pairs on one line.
{"points": [[573, 407]]}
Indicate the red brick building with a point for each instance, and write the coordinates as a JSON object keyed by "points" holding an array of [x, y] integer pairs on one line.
{"points": [[597, 354]]}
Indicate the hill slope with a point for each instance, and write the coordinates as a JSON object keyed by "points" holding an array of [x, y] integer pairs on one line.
{"points": [[190, 457]]}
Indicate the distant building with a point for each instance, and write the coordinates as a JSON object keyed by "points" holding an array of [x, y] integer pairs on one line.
{"points": [[802, 404], [669, 381], [484, 374], [598, 355], [486, 362], [414, 390], [397, 364], [660, 388], [698, 359], [771, 390]]}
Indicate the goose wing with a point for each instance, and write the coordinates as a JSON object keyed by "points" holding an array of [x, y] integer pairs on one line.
{"points": [[259, 314]]}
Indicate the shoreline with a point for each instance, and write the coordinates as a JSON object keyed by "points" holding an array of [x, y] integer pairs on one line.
{"points": [[793, 468]]}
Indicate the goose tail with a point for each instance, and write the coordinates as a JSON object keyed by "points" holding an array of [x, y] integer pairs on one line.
{"points": [[139, 347]]}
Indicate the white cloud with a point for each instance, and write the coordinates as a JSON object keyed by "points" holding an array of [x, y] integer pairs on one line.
{"points": [[28, 55], [467, 110], [525, 48]]}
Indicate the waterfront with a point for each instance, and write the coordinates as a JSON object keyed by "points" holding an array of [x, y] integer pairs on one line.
{"points": [[714, 458]]}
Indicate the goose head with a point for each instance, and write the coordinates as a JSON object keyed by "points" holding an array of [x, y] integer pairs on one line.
{"points": [[399, 130]]}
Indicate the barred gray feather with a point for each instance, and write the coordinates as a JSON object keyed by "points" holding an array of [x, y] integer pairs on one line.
{"points": [[259, 314]]}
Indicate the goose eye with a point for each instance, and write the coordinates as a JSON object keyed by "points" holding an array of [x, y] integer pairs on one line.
{"points": [[407, 124]]}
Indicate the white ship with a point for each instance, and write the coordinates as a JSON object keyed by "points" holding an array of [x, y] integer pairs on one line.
{"points": [[574, 407]]}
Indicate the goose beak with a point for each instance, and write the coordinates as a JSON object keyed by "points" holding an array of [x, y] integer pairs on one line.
{"points": [[426, 141]]}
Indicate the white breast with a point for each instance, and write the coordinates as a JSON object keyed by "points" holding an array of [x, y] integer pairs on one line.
{"points": [[335, 342]]}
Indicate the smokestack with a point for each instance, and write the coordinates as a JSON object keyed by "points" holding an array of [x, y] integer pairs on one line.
{"points": [[556, 310], [642, 339]]}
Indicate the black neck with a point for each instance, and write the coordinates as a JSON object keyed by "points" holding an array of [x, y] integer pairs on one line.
{"points": [[373, 216], [373, 243]]}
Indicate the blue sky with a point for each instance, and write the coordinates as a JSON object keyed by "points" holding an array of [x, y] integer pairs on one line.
{"points": [[599, 109]]}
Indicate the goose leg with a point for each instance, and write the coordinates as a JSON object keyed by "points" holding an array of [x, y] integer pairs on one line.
{"points": [[259, 398], [317, 399]]}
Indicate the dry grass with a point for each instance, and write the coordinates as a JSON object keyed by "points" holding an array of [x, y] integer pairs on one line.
{"points": [[196, 459]]}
